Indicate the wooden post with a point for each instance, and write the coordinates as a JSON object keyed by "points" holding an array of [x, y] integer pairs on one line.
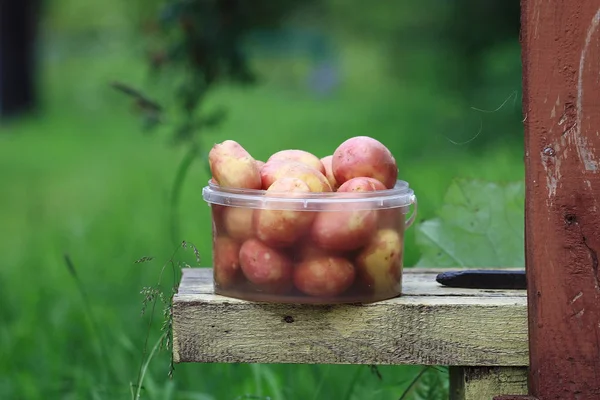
{"points": [[478, 383], [561, 102]]}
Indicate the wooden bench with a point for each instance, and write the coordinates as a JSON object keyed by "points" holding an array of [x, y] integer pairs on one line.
{"points": [[480, 334]]}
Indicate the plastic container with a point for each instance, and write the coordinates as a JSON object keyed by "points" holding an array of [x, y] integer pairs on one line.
{"points": [[309, 248]]}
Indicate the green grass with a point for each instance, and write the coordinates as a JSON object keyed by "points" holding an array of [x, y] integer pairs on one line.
{"points": [[81, 179]]}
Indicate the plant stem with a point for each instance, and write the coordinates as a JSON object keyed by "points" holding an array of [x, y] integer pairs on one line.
{"points": [[154, 300], [413, 383], [145, 367], [182, 171], [87, 306]]}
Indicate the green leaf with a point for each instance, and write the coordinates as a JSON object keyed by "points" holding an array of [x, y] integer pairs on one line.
{"points": [[431, 383], [480, 225]]}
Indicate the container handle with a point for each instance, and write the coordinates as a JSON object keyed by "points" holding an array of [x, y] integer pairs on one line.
{"points": [[412, 217]]}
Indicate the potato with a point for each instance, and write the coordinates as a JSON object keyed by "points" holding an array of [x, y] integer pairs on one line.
{"points": [[361, 184], [259, 164], [232, 166], [306, 249], [273, 170], [326, 161], [238, 222], [386, 218], [226, 261], [281, 228], [266, 267], [391, 218], [300, 156], [343, 230], [324, 276], [216, 212], [346, 230], [363, 156], [379, 264]]}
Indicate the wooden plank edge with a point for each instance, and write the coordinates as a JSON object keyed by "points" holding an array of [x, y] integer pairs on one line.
{"points": [[384, 333]]}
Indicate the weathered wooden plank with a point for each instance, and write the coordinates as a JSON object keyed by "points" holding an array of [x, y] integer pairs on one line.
{"points": [[561, 64], [417, 282], [429, 325], [483, 383]]}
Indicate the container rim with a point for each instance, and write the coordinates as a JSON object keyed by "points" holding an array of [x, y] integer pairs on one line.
{"points": [[401, 195]]}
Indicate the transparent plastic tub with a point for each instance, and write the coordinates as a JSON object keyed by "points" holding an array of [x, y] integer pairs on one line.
{"points": [[309, 248]]}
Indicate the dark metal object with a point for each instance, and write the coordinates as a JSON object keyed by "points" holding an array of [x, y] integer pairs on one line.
{"points": [[484, 279]]}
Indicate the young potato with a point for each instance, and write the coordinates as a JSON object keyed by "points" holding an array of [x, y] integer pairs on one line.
{"points": [[273, 170], [391, 218], [281, 228], [361, 184], [324, 276], [363, 156], [232, 166], [300, 156], [306, 249], [259, 164], [379, 264], [326, 161], [387, 218], [343, 230], [238, 222], [218, 226], [266, 267], [226, 261], [346, 230]]}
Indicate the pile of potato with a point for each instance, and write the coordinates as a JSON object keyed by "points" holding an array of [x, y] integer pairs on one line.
{"points": [[313, 253]]}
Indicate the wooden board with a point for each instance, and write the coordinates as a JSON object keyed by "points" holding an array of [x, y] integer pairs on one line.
{"points": [[561, 96], [429, 325], [479, 383]]}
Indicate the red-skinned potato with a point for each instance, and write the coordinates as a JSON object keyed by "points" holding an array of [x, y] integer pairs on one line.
{"points": [[392, 218], [346, 230], [232, 166], [326, 161], [266, 267], [226, 261], [300, 156], [363, 156], [216, 212], [281, 228], [361, 184], [386, 218], [324, 276], [259, 164], [307, 249], [379, 264], [238, 222], [273, 170], [343, 230]]}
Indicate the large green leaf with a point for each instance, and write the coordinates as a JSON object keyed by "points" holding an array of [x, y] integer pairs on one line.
{"points": [[480, 225]]}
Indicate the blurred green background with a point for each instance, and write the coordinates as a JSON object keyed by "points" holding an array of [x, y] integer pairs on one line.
{"points": [[438, 82]]}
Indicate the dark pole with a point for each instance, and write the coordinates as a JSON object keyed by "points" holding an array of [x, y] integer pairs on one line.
{"points": [[17, 56]]}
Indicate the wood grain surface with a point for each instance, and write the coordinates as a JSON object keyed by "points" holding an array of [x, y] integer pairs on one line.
{"points": [[561, 104], [428, 325], [483, 383]]}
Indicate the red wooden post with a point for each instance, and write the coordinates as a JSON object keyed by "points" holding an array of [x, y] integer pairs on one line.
{"points": [[561, 103]]}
